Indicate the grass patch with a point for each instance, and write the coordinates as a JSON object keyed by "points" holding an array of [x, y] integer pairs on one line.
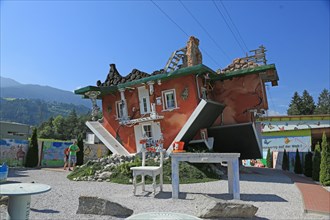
{"points": [[189, 173]]}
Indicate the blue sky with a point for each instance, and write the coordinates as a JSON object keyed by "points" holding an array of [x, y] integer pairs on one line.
{"points": [[70, 44]]}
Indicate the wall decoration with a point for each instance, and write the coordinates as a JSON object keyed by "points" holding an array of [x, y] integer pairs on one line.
{"points": [[53, 153], [185, 93], [13, 152]]}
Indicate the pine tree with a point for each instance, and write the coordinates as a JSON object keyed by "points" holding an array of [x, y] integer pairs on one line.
{"points": [[316, 163], [32, 153], [285, 161], [269, 159], [323, 104], [297, 163], [80, 153], [325, 162], [295, 105], [308, 104], [308, 168]]}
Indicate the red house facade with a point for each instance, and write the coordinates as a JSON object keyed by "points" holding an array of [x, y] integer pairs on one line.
{"points": [[160, 106]]}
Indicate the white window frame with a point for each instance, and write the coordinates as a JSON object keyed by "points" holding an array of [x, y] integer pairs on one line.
{"points": [[144, 100], [144, 131], [119, 106], [164, 96]]}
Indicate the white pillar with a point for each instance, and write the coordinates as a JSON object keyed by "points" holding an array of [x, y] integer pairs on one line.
{"points": [[122, 96], [151, 87], [19, 207]]}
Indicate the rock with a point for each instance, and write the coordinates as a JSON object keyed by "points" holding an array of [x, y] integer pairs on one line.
{"points": [[99, 206], [4, 200], [105, 175], [216, 208]]}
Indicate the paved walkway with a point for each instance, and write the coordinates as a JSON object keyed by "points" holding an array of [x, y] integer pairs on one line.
{"points": [[316, 198]]}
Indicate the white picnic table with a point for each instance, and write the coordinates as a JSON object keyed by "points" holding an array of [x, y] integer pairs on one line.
{"points": [[232, 166], [20, 197]]}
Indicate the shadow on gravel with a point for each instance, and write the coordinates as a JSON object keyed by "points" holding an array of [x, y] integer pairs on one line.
{"points": [[251, 197], [162, 195], [9, 181], [258, 174], [44, 210], [17, 172]]}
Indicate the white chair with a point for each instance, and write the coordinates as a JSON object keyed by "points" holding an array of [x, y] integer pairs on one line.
{"points": [[152, 171]]}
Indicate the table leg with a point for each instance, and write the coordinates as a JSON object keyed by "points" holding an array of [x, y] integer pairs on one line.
{"points": [[19, 207], [233, 178], [175, 179]]}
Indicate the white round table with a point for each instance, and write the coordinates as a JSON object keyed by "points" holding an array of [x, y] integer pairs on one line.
{"points": [[20, 197], [161, 216]]}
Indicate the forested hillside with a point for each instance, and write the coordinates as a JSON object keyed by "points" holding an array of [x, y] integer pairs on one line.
{"points": [[34, 111]]}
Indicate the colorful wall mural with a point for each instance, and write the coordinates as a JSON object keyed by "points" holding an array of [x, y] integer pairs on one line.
{"points": [[13, 152], [52, 153], [289, 123], [288, 140], [94, 151]]}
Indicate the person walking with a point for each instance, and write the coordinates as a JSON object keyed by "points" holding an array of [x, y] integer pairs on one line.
{"points": [[73, 155], [66, 157]]}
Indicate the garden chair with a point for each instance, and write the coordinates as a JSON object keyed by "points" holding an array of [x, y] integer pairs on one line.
{"points": [[152, 171]]}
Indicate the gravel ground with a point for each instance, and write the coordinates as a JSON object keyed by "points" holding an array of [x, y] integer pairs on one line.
{"points": [[270, 190]]}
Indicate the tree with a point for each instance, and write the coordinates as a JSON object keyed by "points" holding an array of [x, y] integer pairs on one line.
{"points": [[60, 131], [308, 104], [301, 105], [297, 163], [285, 161], [269, 159], [46, 129], [308, 168], [323, 104], [325, 162], [316, 163], [80, 153], [32, 153], [71, 122], [295, 105]]}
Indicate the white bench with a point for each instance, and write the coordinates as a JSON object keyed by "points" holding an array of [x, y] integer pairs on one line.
{"points": [[232, 166]]}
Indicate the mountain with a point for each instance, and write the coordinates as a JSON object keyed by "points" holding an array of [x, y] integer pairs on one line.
{"points": [[6, 82], [36, 111], [10, 88]]}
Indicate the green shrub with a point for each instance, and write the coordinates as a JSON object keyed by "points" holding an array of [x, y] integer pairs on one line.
{"points": [[269, 159], [80, 153], [32, 152], [308, 167], [297, 163], [325, 162], [316, 163], [285, 161], [189, 173]]}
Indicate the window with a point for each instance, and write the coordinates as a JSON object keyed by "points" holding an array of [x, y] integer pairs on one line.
{"points": [[144, 100], [169, 99], [144, 104], [146, 130], [120, 109]]}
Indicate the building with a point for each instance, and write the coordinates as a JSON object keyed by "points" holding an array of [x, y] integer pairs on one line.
{"points": [[294, 132], [14, 142], [182, 102]]}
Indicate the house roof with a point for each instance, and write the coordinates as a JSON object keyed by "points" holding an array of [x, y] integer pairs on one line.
{"points": [[268, 73], [103, 90]]}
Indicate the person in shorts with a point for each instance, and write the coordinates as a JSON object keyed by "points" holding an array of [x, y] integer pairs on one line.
{"points": [[73, 155], [66, 157]]}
